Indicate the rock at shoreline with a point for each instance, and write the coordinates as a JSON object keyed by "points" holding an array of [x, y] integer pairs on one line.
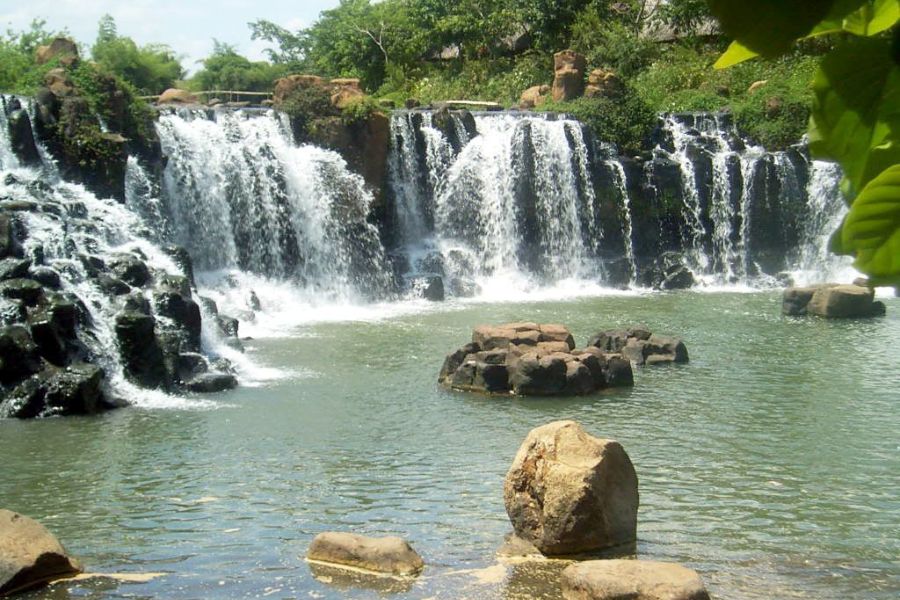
{"points": [[831, 300], [30, 555], [531, 359], [631, 580], [568, 492], [391, 555]]}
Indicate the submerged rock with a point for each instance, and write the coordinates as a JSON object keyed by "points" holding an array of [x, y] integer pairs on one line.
{"points": [[568, 492], [631, 579], [392, 555], [30, 556]]}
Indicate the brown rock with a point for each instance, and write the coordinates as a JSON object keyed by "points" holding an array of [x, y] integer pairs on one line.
{"points": [[30, 555], [344, 97], [602, 83], [382, 555], [568, 492], [557, 333], [569, 59], [568, 84], [534, 96], [347, 82], [62, 48], [843, 301], [631, 580], [774, 106], [59, 83], [286, 86], [177, 96]]}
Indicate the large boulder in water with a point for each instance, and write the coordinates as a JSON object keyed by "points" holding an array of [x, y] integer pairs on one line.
{"points": [[568, 492], [30, 556], [640, 346], [21, 138], [392, 555], [844, 301], [631, 580]]}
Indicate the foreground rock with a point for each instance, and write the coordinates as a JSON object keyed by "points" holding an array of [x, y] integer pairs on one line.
{"points": [[29, 555], [642, 347], [631, 580], [391, 555], [832, 301], [568, 492], [529, 359]]}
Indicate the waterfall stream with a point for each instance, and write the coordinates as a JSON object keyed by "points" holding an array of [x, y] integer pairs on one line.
{"points": [[518, 202]]}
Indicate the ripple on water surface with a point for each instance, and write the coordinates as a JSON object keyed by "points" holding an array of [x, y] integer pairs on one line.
{"points": [[769, 463]]}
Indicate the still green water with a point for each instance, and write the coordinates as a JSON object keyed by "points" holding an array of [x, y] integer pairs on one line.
{"points": [[770, 463]]}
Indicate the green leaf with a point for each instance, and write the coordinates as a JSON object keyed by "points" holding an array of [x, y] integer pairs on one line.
{"points": [[865, 18], [872, 19], [856, 109], [736, 53], [872, 227], [770, 27]]}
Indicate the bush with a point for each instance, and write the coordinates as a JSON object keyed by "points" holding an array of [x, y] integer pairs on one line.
{"points": [[499, 80], [611, 44], [683, 79], [625, 120], [227, 70], [359, 109], [150, 69], [306, 104]]}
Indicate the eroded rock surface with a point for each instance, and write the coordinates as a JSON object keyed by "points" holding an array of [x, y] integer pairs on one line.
{"points": [[568, 492]]}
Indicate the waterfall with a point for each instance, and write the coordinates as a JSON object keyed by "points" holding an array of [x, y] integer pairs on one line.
{"points": [[827, 211], [240, 195], [515, 203], [69, 237]]}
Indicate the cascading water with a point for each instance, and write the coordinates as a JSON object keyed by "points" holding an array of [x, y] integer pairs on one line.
{"points": [[69, 238], [517, 203], [240, 195], [514, 206]]}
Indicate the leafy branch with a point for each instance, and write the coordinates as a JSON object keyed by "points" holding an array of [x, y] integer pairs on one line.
{"points": [[856, 107]]}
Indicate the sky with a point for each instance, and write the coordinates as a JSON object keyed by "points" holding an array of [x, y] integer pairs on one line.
{"points": [[187, 26]]}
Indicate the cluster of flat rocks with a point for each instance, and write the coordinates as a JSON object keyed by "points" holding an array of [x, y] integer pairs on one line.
{"points": [[531, 359], [832, 300]]}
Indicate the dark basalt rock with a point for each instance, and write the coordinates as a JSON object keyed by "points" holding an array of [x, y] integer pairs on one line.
{"points": [[111, 285], [73, 390], [22, 138], [26, 290], [183, 259], [131, 270], [19, 355], [9, 245], [184, 313], [14, 268], [47, 277], [433, 288], [212, 382], [53, 326], [228, 325], [142, 357]]}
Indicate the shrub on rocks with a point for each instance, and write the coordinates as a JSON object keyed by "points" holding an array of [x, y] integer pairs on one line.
{"points": [[568, 492]]}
